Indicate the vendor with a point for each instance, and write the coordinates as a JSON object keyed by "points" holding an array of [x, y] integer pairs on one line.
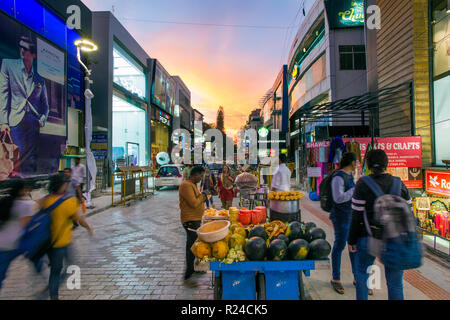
{"points": [[281, 180]]}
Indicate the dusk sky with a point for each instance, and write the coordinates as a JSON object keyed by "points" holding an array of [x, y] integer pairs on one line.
{"points": [[228, 66]]}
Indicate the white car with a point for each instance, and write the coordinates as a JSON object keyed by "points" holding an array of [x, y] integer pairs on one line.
{"points": [[170, 175]]}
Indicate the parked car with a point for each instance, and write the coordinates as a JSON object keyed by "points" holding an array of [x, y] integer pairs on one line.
{"points": [[170, 175]]}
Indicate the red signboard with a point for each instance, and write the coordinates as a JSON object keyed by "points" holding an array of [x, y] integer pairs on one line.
{"points": [[404, 153], [437, 182]]}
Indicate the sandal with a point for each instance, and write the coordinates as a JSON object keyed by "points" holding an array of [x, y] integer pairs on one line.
{"points": [[370, 290], [337, 286]]}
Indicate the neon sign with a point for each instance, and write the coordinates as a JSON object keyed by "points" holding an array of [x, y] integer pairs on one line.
{"points": [[345, 13]]}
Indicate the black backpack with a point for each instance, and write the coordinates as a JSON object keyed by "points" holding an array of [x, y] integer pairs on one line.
{"points": [[325, 195]]}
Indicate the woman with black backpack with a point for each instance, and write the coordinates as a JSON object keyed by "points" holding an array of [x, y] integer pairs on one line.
{"points": [[16, 210], [363, 202]]}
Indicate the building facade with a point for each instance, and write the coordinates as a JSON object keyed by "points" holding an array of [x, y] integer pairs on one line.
{"points": [[326, 63], [121, 106]]}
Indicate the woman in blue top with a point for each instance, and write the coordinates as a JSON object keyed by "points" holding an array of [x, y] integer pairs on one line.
{"points": [[342, 188]]}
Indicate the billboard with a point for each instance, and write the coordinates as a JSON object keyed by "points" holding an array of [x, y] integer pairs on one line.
{"points": [[404, 154], [437, 182], [32, 102]]}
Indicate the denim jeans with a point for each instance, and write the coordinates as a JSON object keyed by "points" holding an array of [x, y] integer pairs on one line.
{"points": [[363, 260], [190, 239], [26, 136], [56, 257], [341, 231]]}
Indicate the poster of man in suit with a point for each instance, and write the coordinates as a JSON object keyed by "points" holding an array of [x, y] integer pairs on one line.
{"points": [[32, 102]]}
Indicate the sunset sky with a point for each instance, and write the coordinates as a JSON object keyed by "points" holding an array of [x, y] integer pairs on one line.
{"points": [[228, 66]]}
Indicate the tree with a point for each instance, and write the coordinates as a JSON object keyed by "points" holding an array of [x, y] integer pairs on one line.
{"points": [[220, 121]]}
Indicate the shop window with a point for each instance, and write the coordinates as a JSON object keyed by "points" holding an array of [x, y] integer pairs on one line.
{"points": [[129, 132], [128, 73], [352, 57]]}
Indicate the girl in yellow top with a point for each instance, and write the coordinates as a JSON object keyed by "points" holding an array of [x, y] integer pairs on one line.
{"points": [[63, 217]]}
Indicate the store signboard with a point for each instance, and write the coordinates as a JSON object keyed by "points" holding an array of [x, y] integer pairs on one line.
{"points": [[99, 145], [320, 144], [437, 182], [314, 172], [404, 153], [345, 13]]}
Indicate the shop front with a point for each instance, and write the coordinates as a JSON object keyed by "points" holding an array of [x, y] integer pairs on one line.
{"points": [[432, 210], [160, 133]]}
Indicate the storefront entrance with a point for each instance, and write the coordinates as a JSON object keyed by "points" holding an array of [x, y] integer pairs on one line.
{"points": [[160, 139]]}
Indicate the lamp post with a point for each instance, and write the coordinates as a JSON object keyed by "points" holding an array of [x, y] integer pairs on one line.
{"points": [[91, 169]]}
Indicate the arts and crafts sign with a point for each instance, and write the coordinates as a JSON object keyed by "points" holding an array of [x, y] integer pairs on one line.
{"points": [[345, 13], [404, 153], [437, 182]]}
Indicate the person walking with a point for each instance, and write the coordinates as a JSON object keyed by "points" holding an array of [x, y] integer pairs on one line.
{"points": [[342, 188], [192, 206], [73, 187], [16, 210], [225, 184], [187, 171], [208, 186], [63, 216], [363, 200]]}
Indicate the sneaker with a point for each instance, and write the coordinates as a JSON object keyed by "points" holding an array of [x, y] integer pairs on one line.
{"points": [[190, 283]]}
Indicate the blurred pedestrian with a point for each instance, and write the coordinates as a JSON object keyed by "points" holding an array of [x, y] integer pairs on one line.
{"points": [[363, 201], [225, 184], [342, 188], [192, 207], [208, 186], [16, 210], [63, 216], [187, 171], [73, 186]]}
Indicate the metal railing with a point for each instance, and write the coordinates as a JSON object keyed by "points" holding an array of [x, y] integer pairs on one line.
{"points": [[134, 184]]}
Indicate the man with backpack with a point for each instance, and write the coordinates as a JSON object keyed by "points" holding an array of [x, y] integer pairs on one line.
{"points": [[382, 226], [62, 217], [342, 188]]}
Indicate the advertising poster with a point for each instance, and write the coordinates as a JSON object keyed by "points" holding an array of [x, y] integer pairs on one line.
{"points": [[32, 102], [404, 153]]}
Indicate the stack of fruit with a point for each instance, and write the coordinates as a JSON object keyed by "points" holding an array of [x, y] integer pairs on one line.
{"points": [[299, 242], [212, 213], [234, 214], [285, 195]]}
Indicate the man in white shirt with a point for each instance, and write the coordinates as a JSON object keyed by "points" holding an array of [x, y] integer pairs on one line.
{"points": [[79, 172], [281, 180]]}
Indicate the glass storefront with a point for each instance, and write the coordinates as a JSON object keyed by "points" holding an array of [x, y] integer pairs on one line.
{"points": [[164, 91], [129, 133], [160, 139], [313, 76], [128, 73], [441, 77]]}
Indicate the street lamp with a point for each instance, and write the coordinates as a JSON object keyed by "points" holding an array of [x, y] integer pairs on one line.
{"points": [[91, 168]]}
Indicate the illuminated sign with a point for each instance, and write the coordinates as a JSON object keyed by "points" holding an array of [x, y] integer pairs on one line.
{"points": [[437, 182], [263, 132], [345, 13], [295, 72]]}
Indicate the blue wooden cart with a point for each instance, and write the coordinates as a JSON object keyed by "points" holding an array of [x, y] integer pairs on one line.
{"points": [[260, 280]]}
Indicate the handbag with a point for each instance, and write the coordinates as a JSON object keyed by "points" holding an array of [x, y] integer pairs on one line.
{"points": [[9, 157]]}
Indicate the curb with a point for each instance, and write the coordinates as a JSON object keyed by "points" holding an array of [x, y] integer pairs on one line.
{"points": [[93, 212]]}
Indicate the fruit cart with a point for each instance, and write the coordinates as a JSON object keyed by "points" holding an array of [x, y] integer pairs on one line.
{"points": [[261, 280]]}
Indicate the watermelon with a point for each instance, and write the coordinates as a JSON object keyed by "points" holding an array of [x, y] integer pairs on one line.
{"points": [[319, 249], [258, 231], [310, 225], [295, 230], [298, 249], [281, 236], [315, 234], [255, 248], [277, 250]]}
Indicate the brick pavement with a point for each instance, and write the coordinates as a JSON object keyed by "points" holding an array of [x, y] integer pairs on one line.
{"points": [[137, 252]]}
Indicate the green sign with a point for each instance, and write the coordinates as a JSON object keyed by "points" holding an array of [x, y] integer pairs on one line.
{"points": [[263, 132], [345, 13]]}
